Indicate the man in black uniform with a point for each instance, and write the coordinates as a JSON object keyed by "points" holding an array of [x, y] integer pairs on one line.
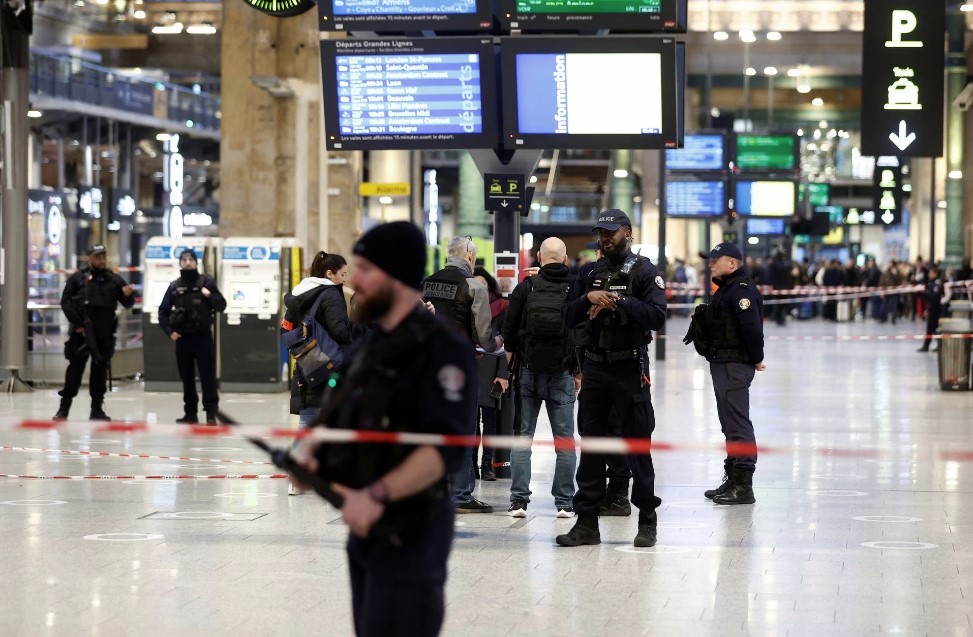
{"points": [[186, 316], [622, 298], [89, 300], [463, 302], [933, 296], [412, 374], [729, 333]]}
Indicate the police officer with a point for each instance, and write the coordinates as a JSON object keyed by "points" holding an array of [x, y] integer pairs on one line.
{"points": [[89, 301], [729, 333], [457, 297], [412, 374], [933, 296], [186, 316], [621, 297]]}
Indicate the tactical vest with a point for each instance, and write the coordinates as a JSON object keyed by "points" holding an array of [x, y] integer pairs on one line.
{"points": [[100, 291], [449, 292], [190, 309], [616, 331], [724, 339]]}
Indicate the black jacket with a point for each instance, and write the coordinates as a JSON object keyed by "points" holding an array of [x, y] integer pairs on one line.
{"points": [[333, 315], [215, 300], [737, 296], [73, 300]]}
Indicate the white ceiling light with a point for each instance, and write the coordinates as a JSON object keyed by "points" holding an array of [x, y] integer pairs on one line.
{"points": [[751, 71], [138, 14], [748, 36], [173, 29], [163, 137], [770, 70], [773, 35], [385, 200], [201, 29], [620, 173], [817, 101], [33, 113], [721, 36], [793, 72], [803, 89], [800, 132], [966, 7], [955, 174]]}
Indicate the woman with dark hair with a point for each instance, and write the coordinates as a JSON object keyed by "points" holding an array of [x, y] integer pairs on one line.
{"points": [[327, 274], [493, 372]]}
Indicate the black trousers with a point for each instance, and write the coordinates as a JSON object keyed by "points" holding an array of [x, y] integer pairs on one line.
{"points": [[618, 470], [192, 351], [932, 323], [398, 590], [612, 393], [731, 384], [97, 379]]}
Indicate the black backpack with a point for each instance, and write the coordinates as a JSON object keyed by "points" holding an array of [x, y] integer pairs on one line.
{"points": [[546, 343]]}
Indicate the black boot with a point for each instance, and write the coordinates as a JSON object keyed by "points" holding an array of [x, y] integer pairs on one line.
{"points": [[615, 504], [63, 410], [487, 473], [98, 411], [740, 492], [584, 532], [727, 481], [188, 419], [648, 531], [211, 418]]}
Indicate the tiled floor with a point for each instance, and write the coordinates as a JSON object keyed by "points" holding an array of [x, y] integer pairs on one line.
{"points": [[873, 538]]}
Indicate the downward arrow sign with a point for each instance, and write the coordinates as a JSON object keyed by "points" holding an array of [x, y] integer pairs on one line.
{"points": [[888, 217], [904, 138], [504, 203]]}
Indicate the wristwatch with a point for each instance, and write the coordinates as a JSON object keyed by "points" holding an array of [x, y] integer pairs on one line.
{"points": [[379, 492]]}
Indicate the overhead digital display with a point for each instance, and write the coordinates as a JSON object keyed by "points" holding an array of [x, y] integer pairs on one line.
{"points": [[766, 153], [385, 94], [695, 198], [766, 227], [584, 15], [765, 198], [699, 152], [405, 15], [818, 194], [590, 92]]}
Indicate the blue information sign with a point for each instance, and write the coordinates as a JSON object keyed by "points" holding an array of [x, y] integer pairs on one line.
{"points": [[695, 198], [700, 152]]}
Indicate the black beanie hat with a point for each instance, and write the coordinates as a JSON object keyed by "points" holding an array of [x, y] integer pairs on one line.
{"points": [[397, 248], [190, 252]]}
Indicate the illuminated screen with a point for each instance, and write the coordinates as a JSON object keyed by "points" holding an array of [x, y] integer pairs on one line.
{"points": [[617, 15], [819, 194], [405, 15], [589, 92], [244, 295], [699, 152], [766, 226], [766, 152], [695, 198], [766, 198], [385, 94]]}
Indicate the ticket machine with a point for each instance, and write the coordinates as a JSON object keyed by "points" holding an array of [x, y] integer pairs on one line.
{"points": [[161, 269], [255, 273]]}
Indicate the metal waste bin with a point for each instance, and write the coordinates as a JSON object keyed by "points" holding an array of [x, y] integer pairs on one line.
{"points": [[954, 354]]}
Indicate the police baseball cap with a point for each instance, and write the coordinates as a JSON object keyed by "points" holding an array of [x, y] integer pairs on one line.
{"points": [[96, 249], [612, 220], [725, 249]]}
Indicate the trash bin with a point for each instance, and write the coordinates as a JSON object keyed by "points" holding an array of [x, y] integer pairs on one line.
{"points": [[954, 354]]}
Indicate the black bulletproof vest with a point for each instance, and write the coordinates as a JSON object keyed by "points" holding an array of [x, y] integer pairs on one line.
{"points": [[190, 310], [723, 335], [613, 331], [449, 292], [100, 290]]}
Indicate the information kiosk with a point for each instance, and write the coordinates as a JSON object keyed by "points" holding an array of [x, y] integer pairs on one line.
{"points": [[254, 275], [161, 269]]}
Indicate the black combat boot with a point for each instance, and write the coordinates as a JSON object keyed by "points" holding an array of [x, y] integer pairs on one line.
{"points": [[487, 473], [188, 419], [648, 533], [98, 411], [584, 532], [615, 504], [211, 418], [63, 410], [741, 492], [727, 481]]}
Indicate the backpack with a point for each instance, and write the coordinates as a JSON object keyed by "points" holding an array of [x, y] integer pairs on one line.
{"points": [[547, 345], [313, 349]]}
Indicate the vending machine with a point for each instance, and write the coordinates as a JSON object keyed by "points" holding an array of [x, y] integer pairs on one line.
{"points": [[161, 269], [255, 273]]}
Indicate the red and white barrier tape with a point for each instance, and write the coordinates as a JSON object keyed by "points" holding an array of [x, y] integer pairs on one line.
{"points": [[65, 271], [140, 456], [276, 476], [766, 290]]}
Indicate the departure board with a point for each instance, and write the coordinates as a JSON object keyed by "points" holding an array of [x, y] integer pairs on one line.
{"points": [[766, 227], [765, 198], [695, 198], [405, 15], [405, 93], [644, 16], [699, 152], [766, 153]]}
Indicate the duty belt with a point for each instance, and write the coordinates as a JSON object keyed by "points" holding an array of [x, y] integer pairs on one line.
{"points": [[612, 356]]}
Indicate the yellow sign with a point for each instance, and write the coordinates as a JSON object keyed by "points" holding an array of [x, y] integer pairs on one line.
{"points": [[107, 41], [370, 189]]}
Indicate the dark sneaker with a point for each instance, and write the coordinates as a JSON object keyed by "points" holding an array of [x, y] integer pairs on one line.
{"points": [[518, 509], [616, 505], [646, 537], [580, 535], [473, 506], [188, 419]]}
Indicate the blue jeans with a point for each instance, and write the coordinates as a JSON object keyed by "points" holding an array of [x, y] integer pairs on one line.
{"points": [[557, 392], [464, 480]]}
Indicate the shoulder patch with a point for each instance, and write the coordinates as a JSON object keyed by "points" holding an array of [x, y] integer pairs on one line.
{"points": [[659, 283], [451, 378], [744, 304]]}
